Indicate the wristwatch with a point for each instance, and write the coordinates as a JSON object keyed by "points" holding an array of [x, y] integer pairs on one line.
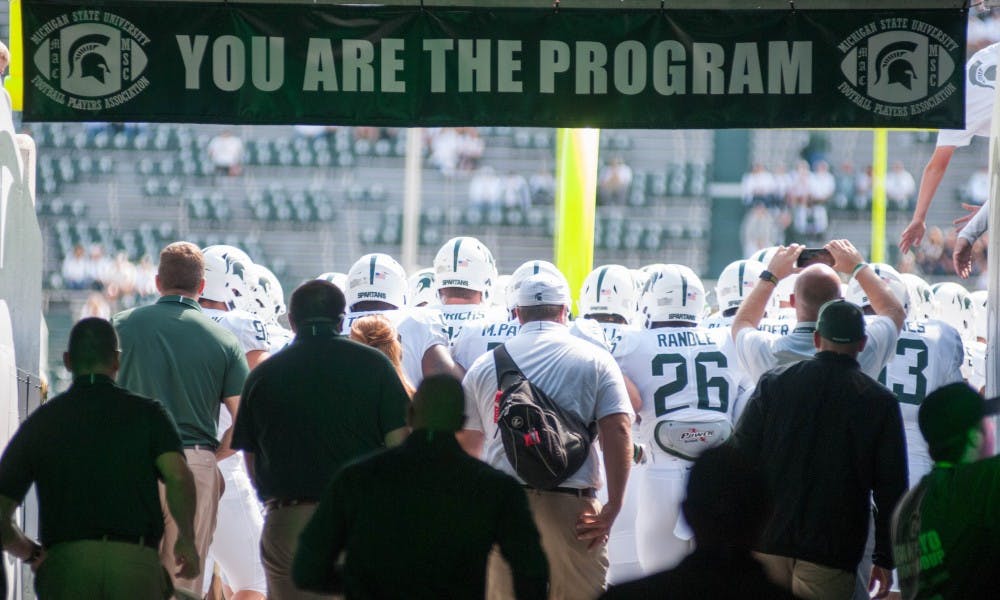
{"points": [[768, 276]]}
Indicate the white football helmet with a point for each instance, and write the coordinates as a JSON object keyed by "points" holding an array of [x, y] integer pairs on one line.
{"points": [[376, 277], [609, 289], [422, 290], [500, 291], [735, 282], [230, 251], [336, 278], [465, 262], [923, 304], [268, 295], [673, 293], [954, 306], [764, 256], [226, 276], [526, 270], [887, 274], [979, 312]]}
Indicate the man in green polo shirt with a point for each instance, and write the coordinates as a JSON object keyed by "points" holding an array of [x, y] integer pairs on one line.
{"points": [[176, 354]]}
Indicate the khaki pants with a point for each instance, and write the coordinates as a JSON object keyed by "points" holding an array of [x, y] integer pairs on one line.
{"points": [[575, 573], [100, 570], [208, 486], [807, 580], [278, 543]]}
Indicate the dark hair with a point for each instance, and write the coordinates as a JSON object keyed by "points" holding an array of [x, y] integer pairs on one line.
{"points": [[182, 267], [316, 300], [92, 343]]}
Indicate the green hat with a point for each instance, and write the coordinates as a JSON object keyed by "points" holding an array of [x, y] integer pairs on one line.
{"points": [[949, 412], [841, 321]]}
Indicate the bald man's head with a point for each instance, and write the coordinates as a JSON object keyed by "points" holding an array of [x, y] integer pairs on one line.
{"points": [[438, 404], [816, 285]]}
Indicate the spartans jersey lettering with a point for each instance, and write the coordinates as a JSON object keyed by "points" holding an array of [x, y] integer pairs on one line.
{"points": [[460, 316], [249, 331], [482, 337]]}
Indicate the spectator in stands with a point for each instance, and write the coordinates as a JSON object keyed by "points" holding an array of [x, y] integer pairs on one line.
{"points": [[471, 148], [797, 190], [121, 281], [759, 229], [486, 189], [844, 191], [445, 149], [145, 278], [863, 189], [543, 187], [76, 273], [810, 217], [816, 149], [226, 153], [757, 186], [516, 193], [782, 182], [4, 58], [899, 187], [99, 267], [614, 181], [930, 253], [95, 306], [977, 190]]}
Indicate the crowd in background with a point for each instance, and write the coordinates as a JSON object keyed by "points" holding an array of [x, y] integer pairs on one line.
{"points": [[114, 282]]}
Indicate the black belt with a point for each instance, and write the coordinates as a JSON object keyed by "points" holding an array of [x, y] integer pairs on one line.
{"points": [[139, 540], [275, 503], [578, 492]]}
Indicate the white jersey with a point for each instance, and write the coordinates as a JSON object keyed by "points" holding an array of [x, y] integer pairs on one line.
{"points": [[249, 330], [459, 316], [419, 330], [980, 80], [929, 354], [975, 353], [612, 333], [278, 336], [718, 321], [682, 374]]}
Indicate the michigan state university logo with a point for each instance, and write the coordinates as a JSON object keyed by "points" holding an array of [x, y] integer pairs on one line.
{"points": [[898, 67], [89, 60]]}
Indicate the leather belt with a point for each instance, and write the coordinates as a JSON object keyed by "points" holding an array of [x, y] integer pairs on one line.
{"points": [[276, 503], [578, 492], [140, 540]]}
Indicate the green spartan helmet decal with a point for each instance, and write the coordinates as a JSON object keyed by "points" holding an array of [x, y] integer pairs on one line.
{"points": [[892, 62], [84, 54]]}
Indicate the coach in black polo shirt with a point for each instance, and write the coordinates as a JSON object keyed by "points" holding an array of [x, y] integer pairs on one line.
{"points": [[306, 411], [95, 453]]}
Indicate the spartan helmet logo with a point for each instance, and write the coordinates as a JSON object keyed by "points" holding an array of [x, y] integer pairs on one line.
{"points": [[86, 59], [894, 63], [425, 283]]}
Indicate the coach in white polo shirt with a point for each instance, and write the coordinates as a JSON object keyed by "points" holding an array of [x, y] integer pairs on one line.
{"points": [[761, 351], [573, 524]]}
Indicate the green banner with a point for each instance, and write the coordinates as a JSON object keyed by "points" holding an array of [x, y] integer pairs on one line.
{"points": [[384, 65]]}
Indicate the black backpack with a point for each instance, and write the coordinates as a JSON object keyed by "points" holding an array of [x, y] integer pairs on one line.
{"points": [[544, 442]]}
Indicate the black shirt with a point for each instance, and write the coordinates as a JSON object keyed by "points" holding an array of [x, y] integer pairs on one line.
{"points": [[705, 573], [91, 452], [309, 409], [418, 521], [945, 533], [828, 437]]}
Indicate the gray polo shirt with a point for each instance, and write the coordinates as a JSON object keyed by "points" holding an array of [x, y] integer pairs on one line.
{"points": [[174, 353]]}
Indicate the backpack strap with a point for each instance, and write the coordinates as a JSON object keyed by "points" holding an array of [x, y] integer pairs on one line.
{"points": [[507, 370]]}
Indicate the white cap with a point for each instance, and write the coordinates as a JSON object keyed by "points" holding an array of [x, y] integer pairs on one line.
{"points": [[543, 289]]}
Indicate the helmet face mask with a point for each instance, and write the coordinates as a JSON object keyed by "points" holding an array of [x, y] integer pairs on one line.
{"points": [[673, 293], [465, 262], [377, 278], [609, 290]]}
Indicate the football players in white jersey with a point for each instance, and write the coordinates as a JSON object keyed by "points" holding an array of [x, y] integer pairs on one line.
{"points": [[464, 273], [929, 354], [608, 297], [734, 283], [922, 302], [376, 284], [954, 307], [688, 386], [269, 304], [239, 518]]}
